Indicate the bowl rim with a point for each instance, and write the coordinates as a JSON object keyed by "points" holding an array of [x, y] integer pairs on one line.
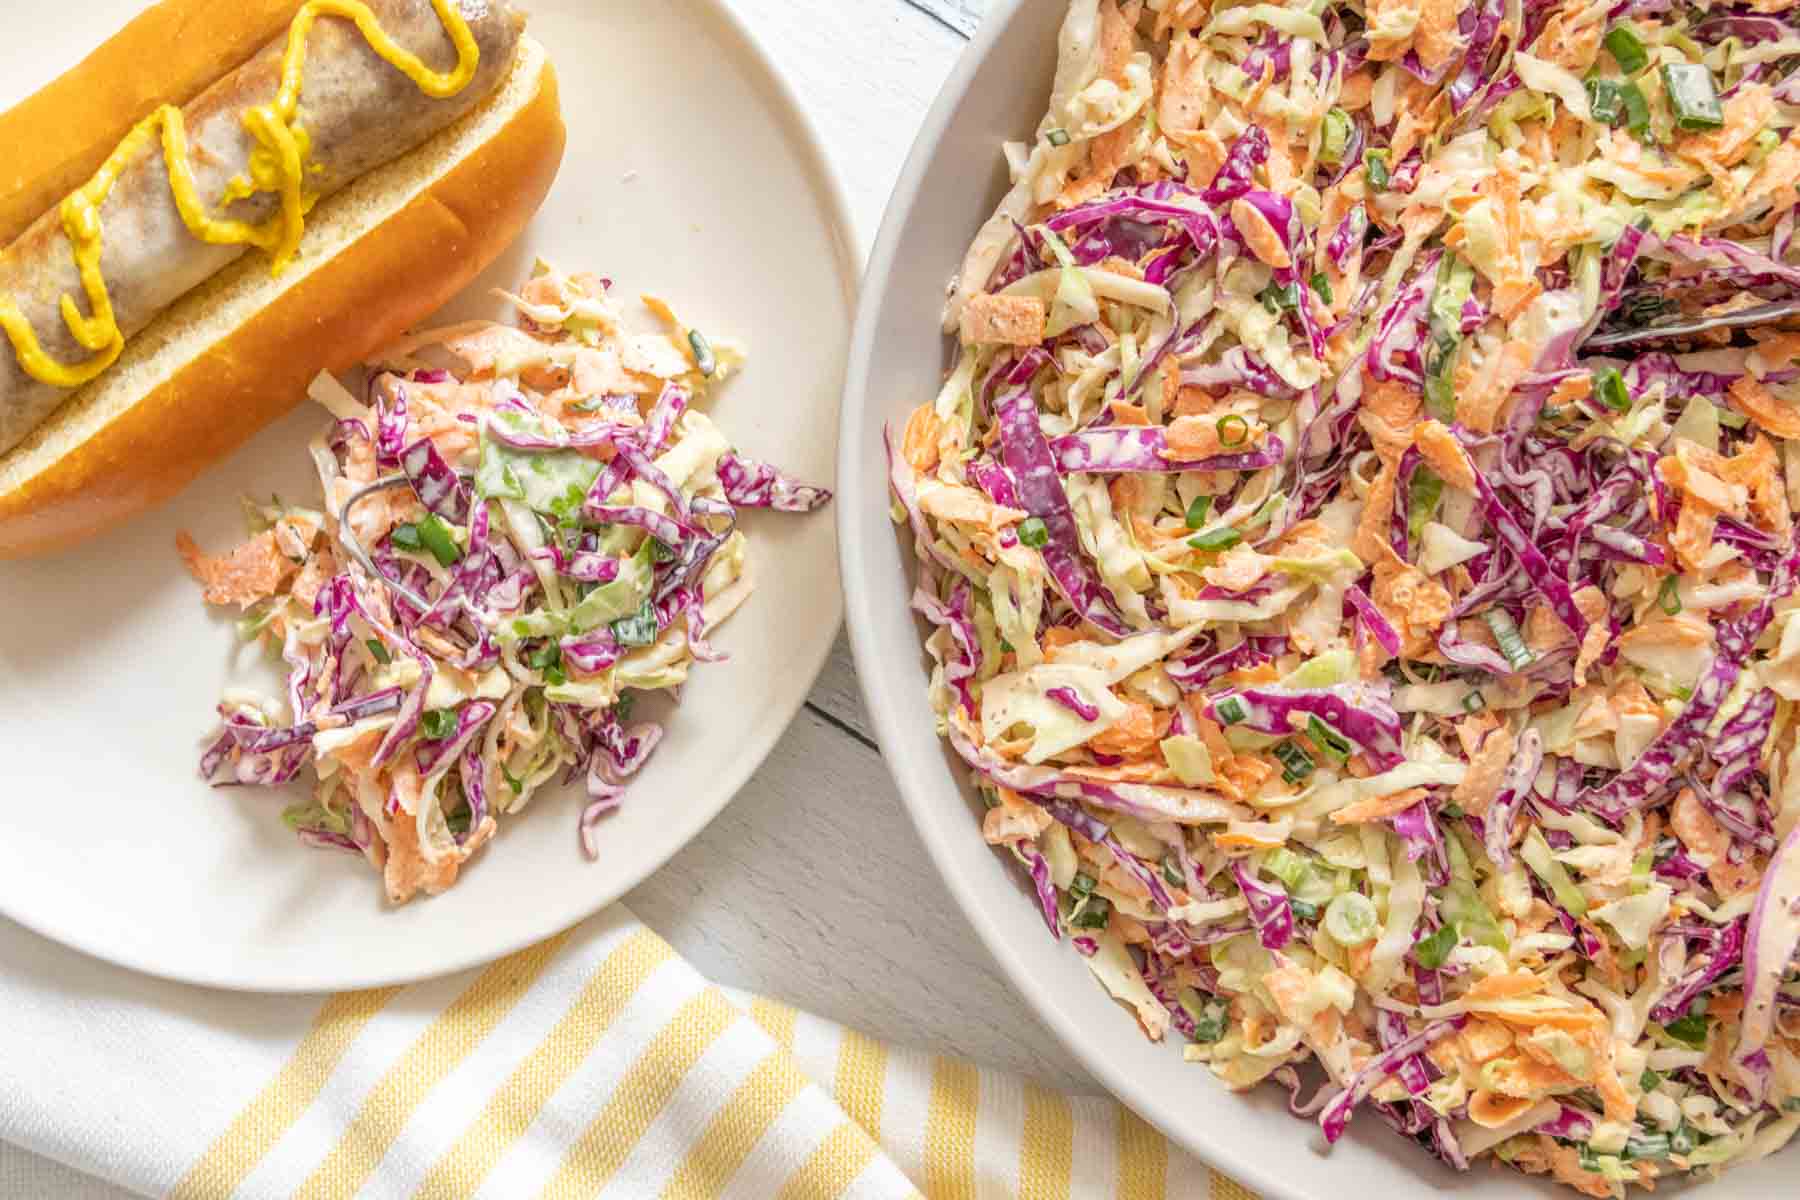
{"points": [[884, 699]]}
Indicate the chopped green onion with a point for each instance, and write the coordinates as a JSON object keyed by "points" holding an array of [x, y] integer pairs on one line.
{"points": [[1296, 764], [1622, 43], [1693, 96], [406, 537], [660, 552], [704, 360], [378, 651], [1376, 162], [1279, 297], [1304, 910], [1424, 493], [1223, 538], [436, 536], [1034, 533], [1322, 285], [550, 655], [512, 781], [1081, 887], [1196, 513], [1233, 430], [1209, 1016], [1329, 740], [1171, 872], [1474, 702], [1683, 1141], [1637, 109], [1434, 951], [1689, 1030], [1649, 1081], [1670, 596], [1506, 632], [1610, 389], [1606, 100], [1093, 913], [1351, 919], [438, 723], [1057, 137], [623, 705], [1334, 136], [457, 820], [1231, 710], [639, 629]]}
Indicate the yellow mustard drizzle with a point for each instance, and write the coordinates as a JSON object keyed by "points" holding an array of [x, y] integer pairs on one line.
{"points": [[277, 165]]}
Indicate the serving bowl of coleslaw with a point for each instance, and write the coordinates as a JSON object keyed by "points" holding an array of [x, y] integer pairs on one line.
{"points": [[1331, 691]]}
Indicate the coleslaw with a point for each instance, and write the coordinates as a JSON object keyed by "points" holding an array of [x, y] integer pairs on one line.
{"points": [[508, 554], [1366, 678]]}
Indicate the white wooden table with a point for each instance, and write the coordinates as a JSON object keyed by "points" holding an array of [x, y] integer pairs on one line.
{"points": [[812, 886]]}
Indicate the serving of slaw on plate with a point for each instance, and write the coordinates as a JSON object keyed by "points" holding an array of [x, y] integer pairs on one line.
{"points": [[1364, 677], [509, 552]]}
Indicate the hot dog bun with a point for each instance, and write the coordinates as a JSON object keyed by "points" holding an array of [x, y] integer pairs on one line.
{"points": [[238, 352], [59, 135]]}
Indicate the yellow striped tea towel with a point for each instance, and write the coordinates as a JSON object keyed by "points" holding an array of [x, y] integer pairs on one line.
{"points": [[597, 1063]]}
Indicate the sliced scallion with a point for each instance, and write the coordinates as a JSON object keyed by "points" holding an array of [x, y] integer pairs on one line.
{"points": [[1693, 96], [1334, 136], [1223, 538], [1670, 596], [1606, 100], [704, 360], [1434, 951], [1034, 533], [1637, 109], [438, 723], [1231, 710], [1233, 430], [639, 629], [1321, 284], [1423, 495], [1196, 513], [1296, 763], [1628, 51], [1057, 137], [378, 651], [1329, 740], [1506, 632], [1376, 162], [1610, 389], [436, 537], [1171, 872], [1093, 913]]}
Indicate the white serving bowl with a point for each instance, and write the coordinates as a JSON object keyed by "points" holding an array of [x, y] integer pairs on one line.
{"points": [[952, 180]]}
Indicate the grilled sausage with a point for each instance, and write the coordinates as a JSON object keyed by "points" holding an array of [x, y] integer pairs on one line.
{"points": [[357, 110]]}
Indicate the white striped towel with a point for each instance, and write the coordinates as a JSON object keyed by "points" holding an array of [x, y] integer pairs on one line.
{"points": [[597, 1063]]}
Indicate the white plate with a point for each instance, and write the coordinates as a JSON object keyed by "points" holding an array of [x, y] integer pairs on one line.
{"points": [[691, 174], [950, 184]]}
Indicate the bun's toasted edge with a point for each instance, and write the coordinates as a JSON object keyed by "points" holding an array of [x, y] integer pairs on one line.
{"points": [[120, 446], [171, 52]]}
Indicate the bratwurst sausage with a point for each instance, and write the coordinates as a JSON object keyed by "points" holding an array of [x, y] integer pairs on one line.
{"points": [[356, 111]]}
